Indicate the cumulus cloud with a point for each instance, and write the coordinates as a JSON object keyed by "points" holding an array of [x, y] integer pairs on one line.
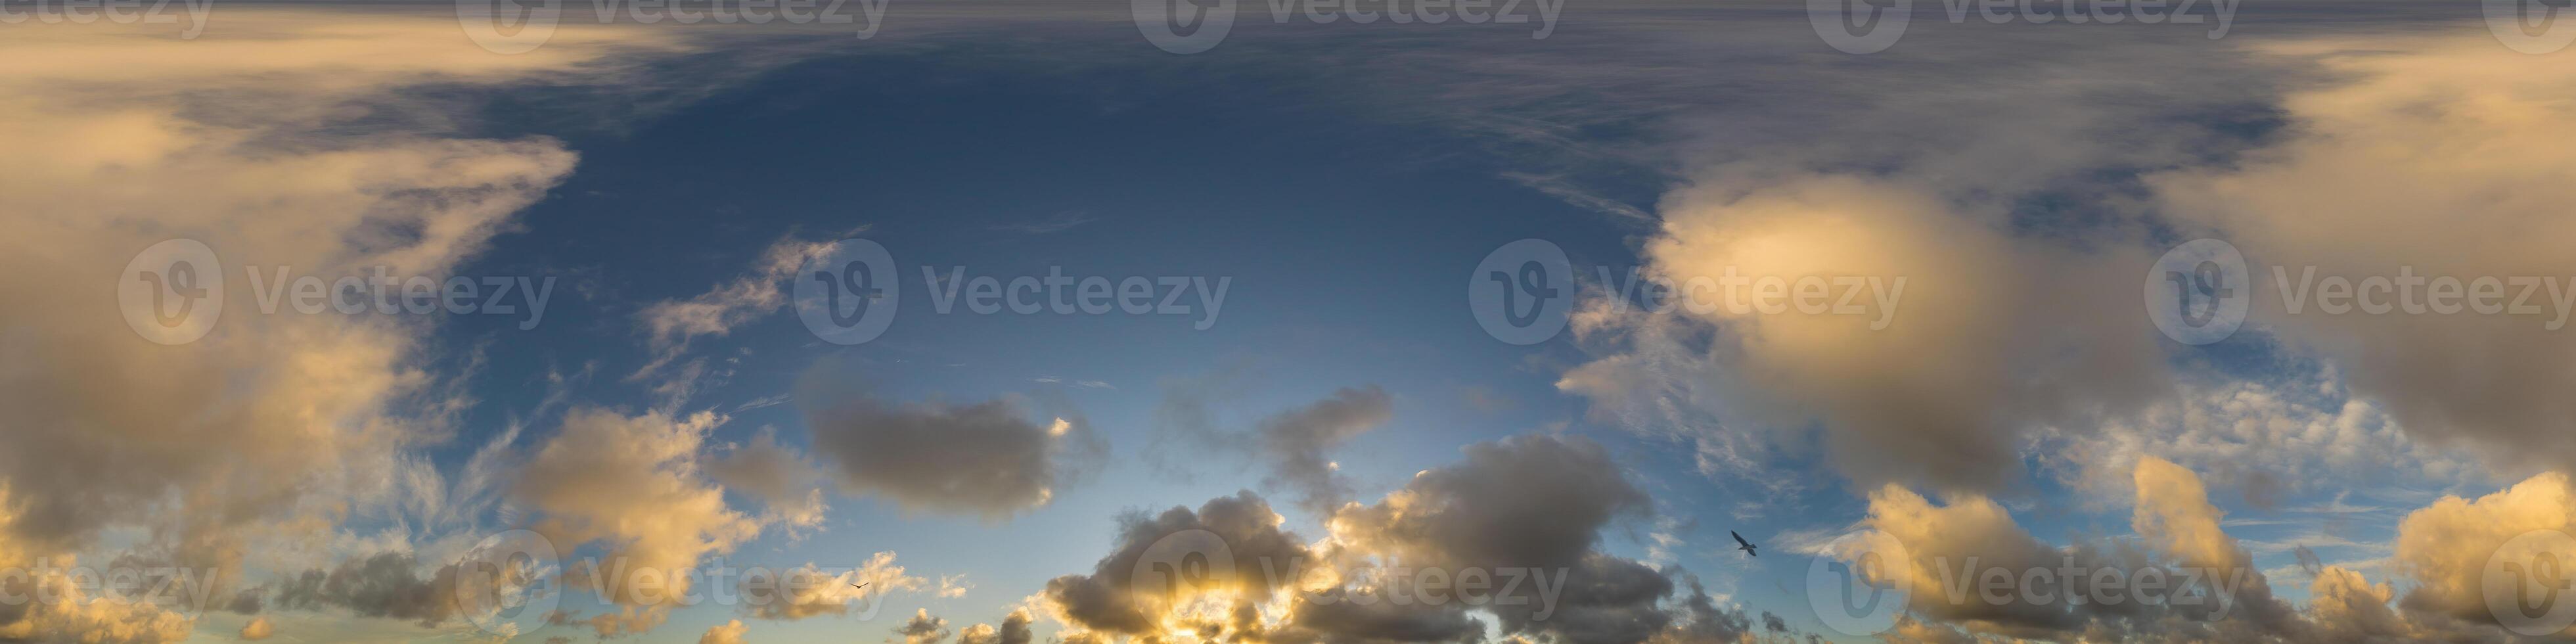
{"points": [[2441, 551], [992, 458], [1928, 384], [272, 427], [2445, 547], [1112, 600], [729, 632], [78, 616], [258, 629], [1530, 504], [923, 628], [1014, 630], [2435, 156], [636, 484]]}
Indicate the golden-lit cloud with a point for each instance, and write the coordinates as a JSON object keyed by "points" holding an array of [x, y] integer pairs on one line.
{"points": [[729, 632], [268, 431], [2445, 548], [635, 483], [2439, 156], [1916, 350]]}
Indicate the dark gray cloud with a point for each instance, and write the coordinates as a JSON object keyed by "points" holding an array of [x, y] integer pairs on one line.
{"points": [[1110, 599], [992, 458], [1296, 443], [379, 585], [1530, 506]]}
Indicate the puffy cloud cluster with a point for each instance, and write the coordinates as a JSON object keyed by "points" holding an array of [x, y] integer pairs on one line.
{"points": [[271, 428], [78, 616], [2445, 548], [922, 628], [1014, 630], [2442, 550], [1530, 505], [1929, 384], [2436, 156]]}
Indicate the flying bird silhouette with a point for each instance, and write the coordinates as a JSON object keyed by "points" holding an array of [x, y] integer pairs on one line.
{"points": [[861, 586], [1746, 546]]}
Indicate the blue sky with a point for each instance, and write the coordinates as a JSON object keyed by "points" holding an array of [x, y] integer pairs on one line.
{"points": [[1343, 182]]}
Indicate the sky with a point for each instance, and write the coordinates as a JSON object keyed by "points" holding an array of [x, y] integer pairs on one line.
{"points": [[985, 322]]}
